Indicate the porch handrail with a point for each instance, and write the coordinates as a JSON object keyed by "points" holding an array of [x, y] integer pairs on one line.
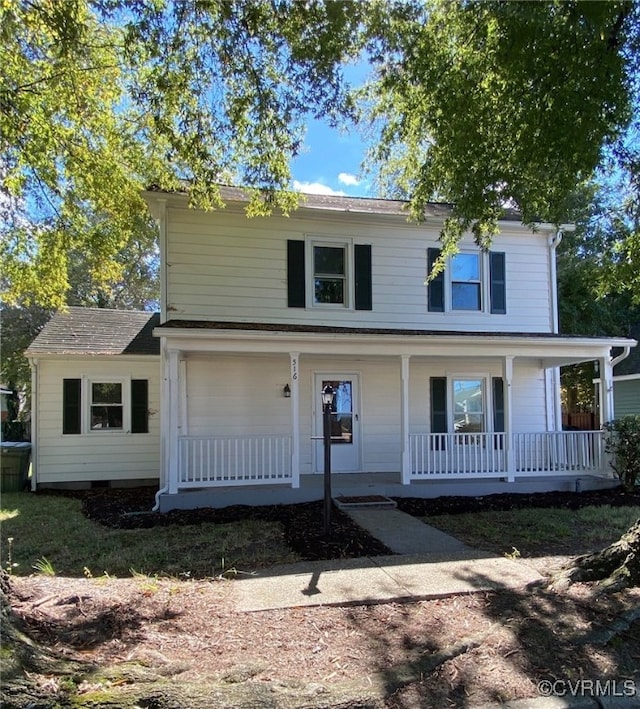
{"points": [[206, 461]]}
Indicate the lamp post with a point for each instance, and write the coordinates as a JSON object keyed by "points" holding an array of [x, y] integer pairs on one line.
{"points": [[327, 403]]}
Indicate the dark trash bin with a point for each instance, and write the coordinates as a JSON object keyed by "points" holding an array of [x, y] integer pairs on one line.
{"points": [[14, 466]]}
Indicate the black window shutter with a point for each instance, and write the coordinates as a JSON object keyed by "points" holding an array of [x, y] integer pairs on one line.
{"points": [[498, 404], [362, 262], [295, 274], [438, 409], [139, 406], [498, 409], [71, 406], [435, 289], [498, 285]]}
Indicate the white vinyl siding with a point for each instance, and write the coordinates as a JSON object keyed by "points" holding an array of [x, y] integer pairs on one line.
{"points": [[232, 396], [222, 266], [626, 397], [528, 397], [116, 455]]}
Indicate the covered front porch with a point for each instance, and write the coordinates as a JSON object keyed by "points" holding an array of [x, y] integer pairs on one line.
{"points": [[245, 409], [364, 484], [206, 461]]}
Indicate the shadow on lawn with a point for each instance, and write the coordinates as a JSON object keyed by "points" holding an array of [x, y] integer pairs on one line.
{"points": [[488, 648]]}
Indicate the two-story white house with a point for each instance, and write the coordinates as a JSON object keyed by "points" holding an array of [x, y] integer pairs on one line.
{"points": [[450, 387]]}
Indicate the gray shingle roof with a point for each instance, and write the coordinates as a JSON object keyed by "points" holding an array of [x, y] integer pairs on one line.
{"points": [[362, 205], [96, 331]]}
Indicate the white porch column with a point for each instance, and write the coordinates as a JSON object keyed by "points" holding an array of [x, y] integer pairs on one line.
{"points": [[295, 419], [507, 377], [173, 376], [553, 402], [606, 390], [404, 420]]}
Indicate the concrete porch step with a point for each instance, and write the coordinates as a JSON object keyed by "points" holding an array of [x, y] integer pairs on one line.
{"points": [[354, 502]]}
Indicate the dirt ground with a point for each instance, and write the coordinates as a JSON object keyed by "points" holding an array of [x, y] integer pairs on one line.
{"points": [[143, 642]]}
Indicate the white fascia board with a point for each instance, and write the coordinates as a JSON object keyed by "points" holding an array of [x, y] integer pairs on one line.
{"points": [[572, 350]]}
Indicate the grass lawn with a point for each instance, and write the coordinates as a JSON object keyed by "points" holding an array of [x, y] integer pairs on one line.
{"points": [[539, 532], [41, 533]]}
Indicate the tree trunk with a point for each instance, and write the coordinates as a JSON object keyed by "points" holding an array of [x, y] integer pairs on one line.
{"points": [[614, 568]]}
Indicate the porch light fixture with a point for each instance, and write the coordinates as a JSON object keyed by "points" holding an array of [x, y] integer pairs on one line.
{"points": [[286, 392], [327, 403], [327, 396]]}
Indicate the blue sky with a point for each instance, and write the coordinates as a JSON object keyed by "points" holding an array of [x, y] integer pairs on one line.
{"points": [[330, 163]]}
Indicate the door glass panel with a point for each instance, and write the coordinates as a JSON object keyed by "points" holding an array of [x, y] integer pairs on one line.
{"points": [[341, 412]]}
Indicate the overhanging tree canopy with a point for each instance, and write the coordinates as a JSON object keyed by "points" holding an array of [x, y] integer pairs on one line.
{"points": [[481, 104]]}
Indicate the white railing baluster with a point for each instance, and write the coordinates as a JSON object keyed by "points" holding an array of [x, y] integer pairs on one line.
{"points": [[458, 455], [206, 461]]}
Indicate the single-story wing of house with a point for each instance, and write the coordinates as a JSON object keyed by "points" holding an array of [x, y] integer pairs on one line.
{"points": [[96, 399]]}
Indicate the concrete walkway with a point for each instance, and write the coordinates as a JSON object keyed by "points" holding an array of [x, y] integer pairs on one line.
{"points": [[404, 534], [429, 564]]}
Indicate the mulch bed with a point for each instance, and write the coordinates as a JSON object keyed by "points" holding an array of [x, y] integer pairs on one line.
{"points": [[615, 497], [303, 524]]}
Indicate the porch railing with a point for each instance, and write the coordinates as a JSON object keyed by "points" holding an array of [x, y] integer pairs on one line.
{"points": [[477, 455], [209, 461], [457, 455], [222, 461], [560, 452]]}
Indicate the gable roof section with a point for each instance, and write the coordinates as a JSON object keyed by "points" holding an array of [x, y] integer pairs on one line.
{"points": [[96, 331], [340, 203]]}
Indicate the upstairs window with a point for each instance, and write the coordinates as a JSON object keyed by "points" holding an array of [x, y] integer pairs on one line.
{"points": [[466, 282], [471, 281], [322, 272], [329, 275]]}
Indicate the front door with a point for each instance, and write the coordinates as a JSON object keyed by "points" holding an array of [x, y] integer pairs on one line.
{"points": [[345, 422]]}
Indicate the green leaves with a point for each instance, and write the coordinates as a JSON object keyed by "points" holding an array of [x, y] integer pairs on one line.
{"points": [[101, 98], [488, 105], [495, 104]]}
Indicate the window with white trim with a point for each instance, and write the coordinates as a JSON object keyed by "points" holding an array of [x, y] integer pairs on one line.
{"points": [[106, 406], [473, 281], [325, 272], [469, 405], [330, 284], [102, 404], [466, 282]]}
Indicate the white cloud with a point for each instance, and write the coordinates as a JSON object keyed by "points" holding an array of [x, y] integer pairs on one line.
{"points": [[346, 178], [316, 188]]}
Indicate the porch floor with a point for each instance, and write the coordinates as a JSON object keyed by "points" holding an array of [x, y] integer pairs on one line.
{"points": [[359, 484]]}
